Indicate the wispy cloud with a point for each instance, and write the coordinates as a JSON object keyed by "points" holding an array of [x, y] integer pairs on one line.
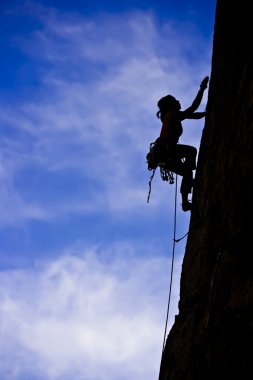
{"points": [[96, 314]]}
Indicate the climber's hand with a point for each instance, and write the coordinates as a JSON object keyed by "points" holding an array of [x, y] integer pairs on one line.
{"points": [[204, 83]]}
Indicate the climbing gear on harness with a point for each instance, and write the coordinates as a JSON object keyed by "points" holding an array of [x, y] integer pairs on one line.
{"points": [[165, 173], [149, 183], [151, 157], [157, 157]]}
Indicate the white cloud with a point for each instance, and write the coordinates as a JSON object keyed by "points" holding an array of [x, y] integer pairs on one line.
{"points": [[99, 315]]}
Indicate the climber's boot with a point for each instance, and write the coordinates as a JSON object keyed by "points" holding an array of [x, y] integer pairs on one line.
{"points": [[186, 206]]}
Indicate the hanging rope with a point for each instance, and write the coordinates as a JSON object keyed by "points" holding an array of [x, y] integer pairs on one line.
{"points": [[172, 263], [168, 177], [172, 266]]}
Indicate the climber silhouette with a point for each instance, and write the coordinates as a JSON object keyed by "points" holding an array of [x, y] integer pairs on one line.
{"points": [[167, 146]]}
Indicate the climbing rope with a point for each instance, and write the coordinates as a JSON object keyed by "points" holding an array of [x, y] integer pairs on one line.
{"points": [[172, 266], [172, 263], [168, 176]]}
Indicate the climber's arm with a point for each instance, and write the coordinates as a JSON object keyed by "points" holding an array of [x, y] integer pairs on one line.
{"points": [[197, 115], [187, 114]]}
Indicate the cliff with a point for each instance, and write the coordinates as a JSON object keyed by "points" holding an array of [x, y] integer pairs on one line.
{"points": [[212, 334]]}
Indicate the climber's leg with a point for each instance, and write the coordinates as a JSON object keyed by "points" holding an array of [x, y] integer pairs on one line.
{"points": [[185, 189], [188, 153]]}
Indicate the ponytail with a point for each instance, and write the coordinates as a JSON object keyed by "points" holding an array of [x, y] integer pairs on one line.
{"points": [[158, 114]]}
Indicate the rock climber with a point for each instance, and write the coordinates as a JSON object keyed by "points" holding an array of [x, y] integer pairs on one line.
{"points": [[167, 144]]}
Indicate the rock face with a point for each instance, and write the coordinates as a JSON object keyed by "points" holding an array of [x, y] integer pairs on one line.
{"points": [[212, 335]]}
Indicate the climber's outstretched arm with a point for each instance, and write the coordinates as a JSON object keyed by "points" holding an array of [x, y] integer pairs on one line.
{"points": [[186, 114], [197, 115]]}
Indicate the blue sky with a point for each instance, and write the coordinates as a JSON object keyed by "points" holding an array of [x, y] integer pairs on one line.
{"points": [[84, 260]]}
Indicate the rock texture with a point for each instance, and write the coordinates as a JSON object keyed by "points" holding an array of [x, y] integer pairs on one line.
{"points": [[212, 334]]}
